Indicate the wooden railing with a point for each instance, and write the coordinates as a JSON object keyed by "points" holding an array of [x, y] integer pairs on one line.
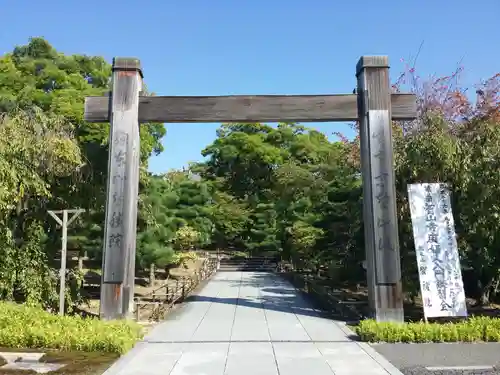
{"points": [[323, 297], [157, 303]]}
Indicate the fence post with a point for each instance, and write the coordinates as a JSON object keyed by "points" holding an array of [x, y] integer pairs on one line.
{"points": [[379, 193], [137, 311]]}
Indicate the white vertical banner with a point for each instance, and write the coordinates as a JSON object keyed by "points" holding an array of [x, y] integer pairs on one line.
{"points": [[436, 247]]}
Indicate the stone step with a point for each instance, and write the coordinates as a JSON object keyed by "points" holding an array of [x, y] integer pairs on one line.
{"points": [[247, 265], [247, 269], [252, 264], [249, 259], [244, 262], [222, 267]]}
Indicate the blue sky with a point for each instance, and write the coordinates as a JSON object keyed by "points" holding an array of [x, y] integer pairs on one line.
{"points": [[221, 47]]}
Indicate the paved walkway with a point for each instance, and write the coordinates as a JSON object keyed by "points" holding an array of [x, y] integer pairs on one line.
{"points": [[250, 323]]}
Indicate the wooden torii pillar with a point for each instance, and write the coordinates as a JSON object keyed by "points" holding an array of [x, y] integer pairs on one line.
{"points": [[373, 106], [119, 245]]}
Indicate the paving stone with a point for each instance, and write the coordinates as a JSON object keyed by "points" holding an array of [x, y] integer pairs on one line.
{"points": [[248, 323], [251, 358], [41, 368], [28, 361], [14, 356], [204, 359], [300, 358]]}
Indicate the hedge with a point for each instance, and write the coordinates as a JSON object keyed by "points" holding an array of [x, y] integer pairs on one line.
{"points": [[30, 327], [473, 329]]}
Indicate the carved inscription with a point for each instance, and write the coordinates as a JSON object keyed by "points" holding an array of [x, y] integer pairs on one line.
{"points": [[114, 240], [384, 225]]}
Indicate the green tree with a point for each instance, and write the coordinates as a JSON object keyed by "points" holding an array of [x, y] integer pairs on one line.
{"points": [[193, 206], [158, 225], [49, 87], [230, 218], [186, 238], [36, 150]]}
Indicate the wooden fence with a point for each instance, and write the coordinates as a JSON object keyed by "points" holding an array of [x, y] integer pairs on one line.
{"points": [[156, 304], [325, 299]]}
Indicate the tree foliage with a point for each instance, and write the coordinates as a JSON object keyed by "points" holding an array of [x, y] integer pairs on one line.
{"points": [[51, 159], [287, 190], [36, 151]]}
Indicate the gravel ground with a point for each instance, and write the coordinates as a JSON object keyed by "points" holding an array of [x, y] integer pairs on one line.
{"points": [[424, 371], [419, 359]]}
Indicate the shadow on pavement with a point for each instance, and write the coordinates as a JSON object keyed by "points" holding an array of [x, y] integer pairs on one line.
{"points": [[274, 294]]}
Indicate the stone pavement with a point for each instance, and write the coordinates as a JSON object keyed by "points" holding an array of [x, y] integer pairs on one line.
{"points": [[28, 362], [443, 358], [250, 323]]}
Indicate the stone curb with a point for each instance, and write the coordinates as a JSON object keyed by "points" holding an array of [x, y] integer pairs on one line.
{"points": [[377, 357]]}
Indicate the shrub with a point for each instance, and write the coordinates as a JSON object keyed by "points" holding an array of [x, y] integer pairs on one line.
{"points": [[239, 255], [181, 258], [29, 327], [186, 237], [471, 330]]}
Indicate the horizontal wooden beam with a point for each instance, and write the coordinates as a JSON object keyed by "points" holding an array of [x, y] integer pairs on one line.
{"points": [[71, 211], [249, 108]]}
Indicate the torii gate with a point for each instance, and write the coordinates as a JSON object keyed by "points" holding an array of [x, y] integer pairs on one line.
{"points": [[373, 106]]}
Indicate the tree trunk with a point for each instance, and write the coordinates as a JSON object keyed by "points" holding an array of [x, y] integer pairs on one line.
{"points": [[81, 259], [496, 288], [484, 299], [152, 275]]}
